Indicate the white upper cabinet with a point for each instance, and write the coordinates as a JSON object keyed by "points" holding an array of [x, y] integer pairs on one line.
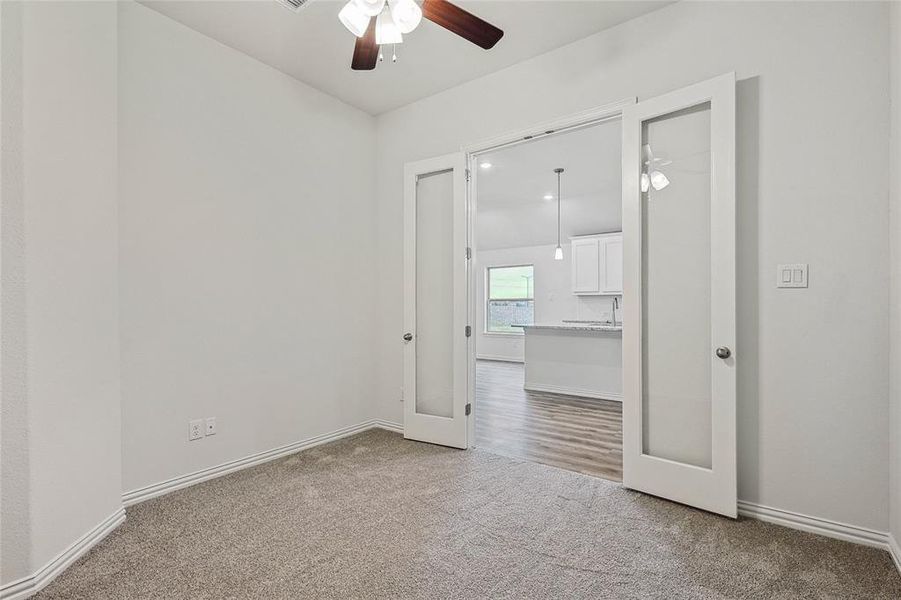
{"points": [[597, 264], [586, 266], [611, 275]]}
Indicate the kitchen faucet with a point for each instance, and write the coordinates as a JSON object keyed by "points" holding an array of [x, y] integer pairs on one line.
{"points": [[613, 312]]}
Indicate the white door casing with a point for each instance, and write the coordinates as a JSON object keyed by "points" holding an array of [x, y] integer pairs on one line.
{"points": [[679, 409]]}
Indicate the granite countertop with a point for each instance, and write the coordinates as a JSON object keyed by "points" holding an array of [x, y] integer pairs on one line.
{"points": [[576, 326]]}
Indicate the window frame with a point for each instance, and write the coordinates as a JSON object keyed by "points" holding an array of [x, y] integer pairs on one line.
{"points": [[486, 325]]}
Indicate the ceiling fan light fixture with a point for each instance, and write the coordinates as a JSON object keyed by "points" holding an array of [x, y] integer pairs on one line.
{"points": [[386, 30], [659, 180], [406, 14], [396, 17], [370, 7], [354, 19]]}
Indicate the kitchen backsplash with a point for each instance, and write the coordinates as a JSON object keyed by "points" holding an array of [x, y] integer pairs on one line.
{"points": [[596, 308]]}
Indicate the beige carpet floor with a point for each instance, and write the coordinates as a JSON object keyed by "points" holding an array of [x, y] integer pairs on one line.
{"points": [[374, 516]]}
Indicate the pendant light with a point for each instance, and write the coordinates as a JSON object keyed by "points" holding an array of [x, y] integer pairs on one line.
{"points": [[558, 252]]}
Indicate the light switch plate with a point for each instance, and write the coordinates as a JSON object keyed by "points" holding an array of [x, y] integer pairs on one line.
{"points": [[793, 275]]}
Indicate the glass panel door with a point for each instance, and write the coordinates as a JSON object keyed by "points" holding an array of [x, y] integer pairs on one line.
{"points": [[436, 346], [434, 393], [675, 285], [679, 296]]}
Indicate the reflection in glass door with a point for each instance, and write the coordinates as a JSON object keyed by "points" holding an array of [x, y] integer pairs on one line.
{"points": [[675, 286]]}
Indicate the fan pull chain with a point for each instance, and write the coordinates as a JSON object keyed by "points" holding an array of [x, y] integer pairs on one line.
{"points": [[381, 56], [394, 53]]}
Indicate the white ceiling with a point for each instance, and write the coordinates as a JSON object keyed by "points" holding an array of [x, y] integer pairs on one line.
{"points": [[511, 209], [315, 48]]}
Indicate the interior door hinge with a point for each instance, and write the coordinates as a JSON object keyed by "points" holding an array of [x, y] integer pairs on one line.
{"points": [[468, 409], [468, 331], [468, 253], [468, 174]]}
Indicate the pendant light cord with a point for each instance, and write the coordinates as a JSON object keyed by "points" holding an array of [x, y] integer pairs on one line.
{"points": [[558, 171]]}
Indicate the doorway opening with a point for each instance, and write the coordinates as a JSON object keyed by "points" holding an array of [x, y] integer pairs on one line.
{"points": [[673, 265], [547, 284]]}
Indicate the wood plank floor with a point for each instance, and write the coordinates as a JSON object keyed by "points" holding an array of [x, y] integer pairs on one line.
{"points": [[577, 434]]}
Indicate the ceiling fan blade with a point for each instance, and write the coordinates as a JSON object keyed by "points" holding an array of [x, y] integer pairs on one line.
{"points": [[366, 51], [463, 23]]}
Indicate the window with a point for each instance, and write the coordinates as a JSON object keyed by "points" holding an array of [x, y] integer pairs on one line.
{"points": [[511, 299]]}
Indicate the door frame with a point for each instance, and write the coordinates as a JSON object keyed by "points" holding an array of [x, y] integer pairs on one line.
{"points": [[587, 118]]}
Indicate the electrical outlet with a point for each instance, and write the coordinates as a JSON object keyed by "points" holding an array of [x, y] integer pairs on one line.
{"points": [[211, 426], [195, 429]]}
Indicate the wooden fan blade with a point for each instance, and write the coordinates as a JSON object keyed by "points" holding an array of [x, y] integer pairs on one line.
{"points": [[463, 23], [366, 51]]}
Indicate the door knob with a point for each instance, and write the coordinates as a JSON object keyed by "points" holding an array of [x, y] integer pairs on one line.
{"points": [[408, 337], [723, 352]]}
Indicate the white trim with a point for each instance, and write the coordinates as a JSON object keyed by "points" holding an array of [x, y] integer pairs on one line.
{"points": [[571, 391], [818, 525], [182, 481], [895, 550], [499, 358], [585, 118], [22, 588], [387, 425]]}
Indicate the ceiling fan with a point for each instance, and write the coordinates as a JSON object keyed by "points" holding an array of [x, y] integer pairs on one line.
{"points": [[381, 22]]}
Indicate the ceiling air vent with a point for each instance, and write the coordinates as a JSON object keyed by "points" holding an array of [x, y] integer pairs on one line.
{"points": [[293, 5]]}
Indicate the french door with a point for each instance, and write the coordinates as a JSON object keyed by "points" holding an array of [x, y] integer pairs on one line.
{"points": [[679, 355], [436, 334]]}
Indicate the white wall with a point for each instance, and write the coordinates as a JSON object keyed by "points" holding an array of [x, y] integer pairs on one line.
{"points": [[247, 258], [554, 300], [61, 353], [15, 521], [895, 228], [812, 173]]}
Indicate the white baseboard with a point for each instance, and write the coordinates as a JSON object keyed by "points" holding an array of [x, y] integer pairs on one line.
{"points": [[895, 550], [389, 425], [182, 481], [25, 587], [570, 391], [832, 529], [498, 357]]}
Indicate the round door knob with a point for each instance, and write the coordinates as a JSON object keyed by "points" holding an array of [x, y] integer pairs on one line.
{"points": [[408, 337], [723, 352]]}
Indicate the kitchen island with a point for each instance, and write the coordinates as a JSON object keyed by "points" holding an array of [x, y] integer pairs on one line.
{"points": [[575, 358]]}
